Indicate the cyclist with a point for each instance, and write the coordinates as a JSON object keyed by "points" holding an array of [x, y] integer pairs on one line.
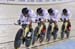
{"points": [[65, 18]]}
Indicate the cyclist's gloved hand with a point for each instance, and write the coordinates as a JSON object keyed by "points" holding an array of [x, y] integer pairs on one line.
{"points": [[36, 20], [48, 20], [39, 19], [61, 19], [19, 22], [64, 20]]}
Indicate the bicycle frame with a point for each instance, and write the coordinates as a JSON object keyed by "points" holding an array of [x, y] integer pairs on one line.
{"points": [[25, 31], [66, 23], [40, 28], [52, 27]]}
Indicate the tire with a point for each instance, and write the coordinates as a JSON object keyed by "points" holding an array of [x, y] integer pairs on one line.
{"points": [[48, 36], [67, 34], [36, 31], [41, 37], [17, 41], [35, 37], [28, 42], [62, 31], [34, 40]]}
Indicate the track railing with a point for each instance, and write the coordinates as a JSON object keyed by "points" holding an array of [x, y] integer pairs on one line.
{"points": [[34, 1]]}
